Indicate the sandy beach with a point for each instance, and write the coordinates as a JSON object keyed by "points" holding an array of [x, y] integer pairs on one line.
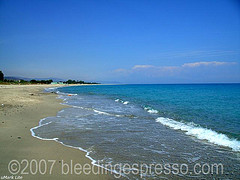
{"points": [[21, 108]]}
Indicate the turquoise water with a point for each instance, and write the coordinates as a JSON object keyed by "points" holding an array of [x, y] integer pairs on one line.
{"points": [[151, 124], [214, 106]]}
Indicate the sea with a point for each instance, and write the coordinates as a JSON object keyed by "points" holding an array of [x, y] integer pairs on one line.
{"points": [[151, 131]]}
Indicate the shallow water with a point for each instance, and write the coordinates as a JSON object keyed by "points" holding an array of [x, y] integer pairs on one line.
{"points": [[152, 124]]}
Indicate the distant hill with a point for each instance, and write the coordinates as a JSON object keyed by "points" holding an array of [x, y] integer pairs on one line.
{"points": [[29, 79]]}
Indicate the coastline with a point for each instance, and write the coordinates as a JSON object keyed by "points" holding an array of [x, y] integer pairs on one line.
{"points": [[23, 107]]}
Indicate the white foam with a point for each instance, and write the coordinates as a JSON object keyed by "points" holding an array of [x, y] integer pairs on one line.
{"points": [[51, 89], [201, 133], [87, 155], [126, 102], [72, 94], [40, 125], [100, 112], [153, 111], [97, 111], [150, 110]]}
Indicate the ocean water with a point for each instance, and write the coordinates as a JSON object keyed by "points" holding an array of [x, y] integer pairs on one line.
{"points": [[151, 124]]}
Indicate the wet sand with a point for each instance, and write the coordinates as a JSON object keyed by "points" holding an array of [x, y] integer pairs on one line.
{"points": [[21, 108]]}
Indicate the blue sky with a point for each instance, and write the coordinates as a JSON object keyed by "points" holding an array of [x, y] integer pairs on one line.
{"points": [[127, 41]]}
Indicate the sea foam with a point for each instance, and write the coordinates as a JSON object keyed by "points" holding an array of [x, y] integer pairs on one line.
{"points": [[201, 133], [151, 110], [124, 102], [87, 155]]}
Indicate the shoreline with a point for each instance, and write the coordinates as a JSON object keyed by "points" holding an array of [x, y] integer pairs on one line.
{"points": [[93, 161], [23, 108]]}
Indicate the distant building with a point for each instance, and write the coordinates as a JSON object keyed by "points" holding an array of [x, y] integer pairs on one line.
{"points": [[60, 82]]}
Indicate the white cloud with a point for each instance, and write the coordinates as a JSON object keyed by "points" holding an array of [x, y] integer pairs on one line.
{"points": [[142, 66], [173, 68], [215, 63]]}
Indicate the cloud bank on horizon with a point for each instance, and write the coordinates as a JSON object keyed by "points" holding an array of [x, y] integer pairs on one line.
{"points": [[190, 65], [202, 72]]}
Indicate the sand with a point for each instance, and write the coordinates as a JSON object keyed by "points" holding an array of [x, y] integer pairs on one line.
{"points": [[23, 107]]}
